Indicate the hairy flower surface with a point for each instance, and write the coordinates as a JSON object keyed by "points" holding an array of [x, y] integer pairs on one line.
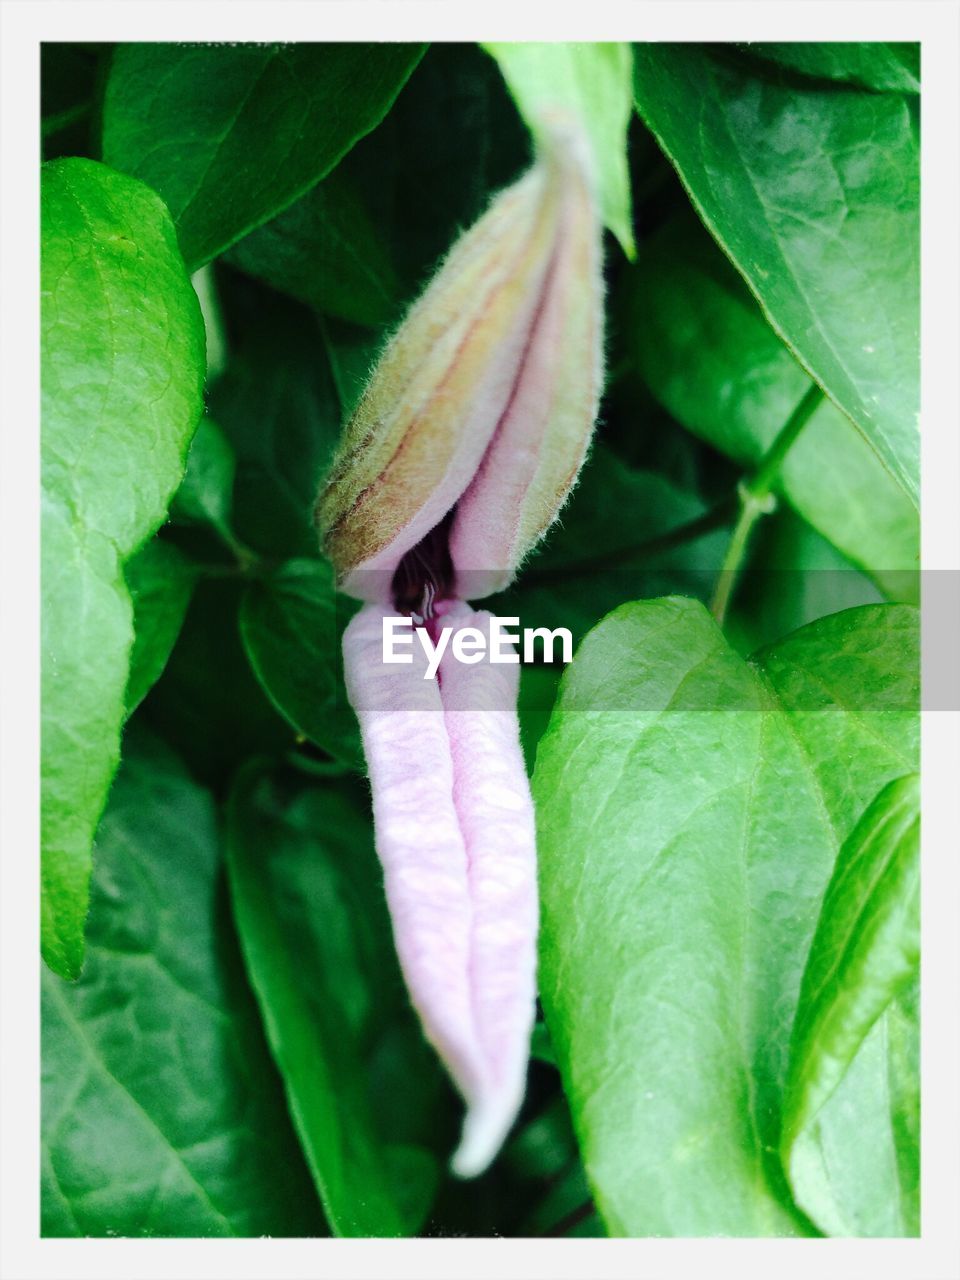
{"points": [[458, 458], [482, 406]]}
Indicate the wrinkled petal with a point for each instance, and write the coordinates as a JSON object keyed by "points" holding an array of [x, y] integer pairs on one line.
{"points": [[454, 829], [495, 812]]}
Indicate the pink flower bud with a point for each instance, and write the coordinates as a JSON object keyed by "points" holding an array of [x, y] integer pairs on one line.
{"points": [[481, 408], [459, 456]]}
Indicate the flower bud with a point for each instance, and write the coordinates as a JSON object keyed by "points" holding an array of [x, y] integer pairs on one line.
{"points": [[478, 416]]}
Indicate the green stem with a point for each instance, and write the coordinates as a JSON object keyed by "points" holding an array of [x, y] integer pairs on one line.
{"points": [[757, 499], [715, 518], [53, 124]]}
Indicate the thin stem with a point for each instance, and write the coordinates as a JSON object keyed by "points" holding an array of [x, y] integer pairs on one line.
{"points": [[757, 499], [53, 124], [715, 518], [572, 1219]]}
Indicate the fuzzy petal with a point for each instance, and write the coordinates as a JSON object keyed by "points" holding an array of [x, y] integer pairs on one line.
{"points": [[438, 392], [543, 434]]}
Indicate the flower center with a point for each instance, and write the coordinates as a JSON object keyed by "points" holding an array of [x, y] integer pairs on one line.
{"points": [[425, 576]]}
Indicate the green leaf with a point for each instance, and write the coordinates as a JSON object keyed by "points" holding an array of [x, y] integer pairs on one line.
{"points": [[590, 82], [865, 954], [278, 407], [160, 580], [205, 495], [366, 1092], [874, 65], [813, 191], [208, 704], [291, 624], [711, 359], [364, 240], [122, 356], [230, 135], [162, 1113], [326, 250], [690, 809]]}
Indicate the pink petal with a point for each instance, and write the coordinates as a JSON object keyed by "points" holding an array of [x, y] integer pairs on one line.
{"points": [[543, 434], [493, 803], [455, 834]]}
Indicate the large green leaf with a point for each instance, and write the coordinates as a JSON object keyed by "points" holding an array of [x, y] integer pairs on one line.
{"points": [[122, 354], [291, 623], [162, 1112], [591, 83], [709, 356], [874, 65], [366, 1092], [690, 810], [813, 191], [864, 955], [231, 134]]}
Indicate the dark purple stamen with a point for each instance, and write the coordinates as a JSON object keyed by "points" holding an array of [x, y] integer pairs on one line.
{"points": [[426, 575]]}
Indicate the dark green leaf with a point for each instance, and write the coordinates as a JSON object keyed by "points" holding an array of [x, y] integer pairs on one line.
{"points": [[122, 353], [278, 407], [875, 65], [690, 810], [366, 1092], [208, 703], [624, 533], [813, 191], [160, 580], [162, 1113], [206, 490], [865, 953], [291, 624], [709, 356], [794, 576], [232, 134], [396, 202], [590, 83], [326, 250]]}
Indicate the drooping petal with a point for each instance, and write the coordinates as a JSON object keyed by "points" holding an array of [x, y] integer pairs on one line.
{"points": [[454, 830], [418, 838], [495, 811]]}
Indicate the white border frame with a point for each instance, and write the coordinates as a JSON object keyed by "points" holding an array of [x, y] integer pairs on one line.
{"points": [[23, 25]]}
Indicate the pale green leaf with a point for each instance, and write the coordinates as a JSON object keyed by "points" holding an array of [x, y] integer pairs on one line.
{"points": [[690, 810], [590, 83], [864, 955], [122, 375]]}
